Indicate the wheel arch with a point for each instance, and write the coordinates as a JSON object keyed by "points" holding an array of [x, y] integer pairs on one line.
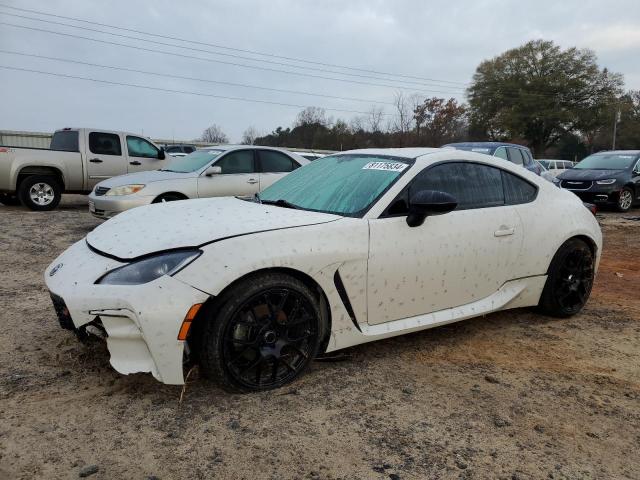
{"points": [[179, 194], [29, 170], [212, 303]]}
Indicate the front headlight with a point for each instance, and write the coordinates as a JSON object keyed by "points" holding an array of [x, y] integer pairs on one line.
{"points": [[150, 268], [125, 189], [607, 181]]}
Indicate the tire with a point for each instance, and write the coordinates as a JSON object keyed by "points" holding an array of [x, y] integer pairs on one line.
{"points": [[625, 200], [261, 334], [40, 192], [569, 280], [9, 200], [169, 197]]}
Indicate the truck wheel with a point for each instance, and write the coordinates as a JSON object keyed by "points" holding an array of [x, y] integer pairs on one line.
{"points": [[9, 200], [40, 192]]}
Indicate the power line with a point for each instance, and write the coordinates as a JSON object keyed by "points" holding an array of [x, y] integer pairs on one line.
{"points": [[255, 67], [230, 55], [168, 90], [235, 49], [146, 72]]}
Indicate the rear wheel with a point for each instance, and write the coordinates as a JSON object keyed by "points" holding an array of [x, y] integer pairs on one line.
{"points": [[40, 192], [263, 333], [569, 280], [625, 199]]}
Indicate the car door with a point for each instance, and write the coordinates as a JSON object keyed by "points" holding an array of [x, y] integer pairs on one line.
{"points": [[238, 177], [143, 155], [274, 165], [450, 260], [105, 158]]}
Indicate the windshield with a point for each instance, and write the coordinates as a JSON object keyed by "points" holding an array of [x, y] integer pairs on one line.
{"points": [[607, 161], [192, 162], [345, 185]]}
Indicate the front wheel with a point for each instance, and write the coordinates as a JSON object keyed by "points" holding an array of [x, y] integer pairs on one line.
{"points": [[263, 333], [625, 200], [569, 280], [40, 192]]}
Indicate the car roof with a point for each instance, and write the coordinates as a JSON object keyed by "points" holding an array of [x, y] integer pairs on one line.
{"points": [[484, 145], [409, 152], [622, 152]]}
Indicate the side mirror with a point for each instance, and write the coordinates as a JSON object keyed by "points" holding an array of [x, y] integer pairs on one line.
{"points": [[213, 170], [424, 203], [161, 154]]}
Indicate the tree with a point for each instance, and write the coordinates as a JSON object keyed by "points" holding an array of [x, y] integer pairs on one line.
{"points": [[439, 121], [214, 134], [540, 92], [311, 116], [249, 136]]}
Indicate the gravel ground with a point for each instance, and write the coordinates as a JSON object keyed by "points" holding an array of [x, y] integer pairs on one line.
{"points": [[513, 395]]}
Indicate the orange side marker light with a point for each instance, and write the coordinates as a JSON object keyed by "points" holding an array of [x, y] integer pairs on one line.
{"points": [[186, 323]]}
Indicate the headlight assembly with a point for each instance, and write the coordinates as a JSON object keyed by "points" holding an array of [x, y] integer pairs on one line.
{"points": [[125, 189], [150, 268], [607, 181]]}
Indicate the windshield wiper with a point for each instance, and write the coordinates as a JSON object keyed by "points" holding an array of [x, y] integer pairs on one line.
{"points": [[167, 170], [280, 203]]}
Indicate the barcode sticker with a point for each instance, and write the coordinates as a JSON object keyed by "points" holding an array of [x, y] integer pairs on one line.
{"points": [[388, 166]]}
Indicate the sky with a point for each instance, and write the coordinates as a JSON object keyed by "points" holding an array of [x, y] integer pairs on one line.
{"points": [[428, 47]]}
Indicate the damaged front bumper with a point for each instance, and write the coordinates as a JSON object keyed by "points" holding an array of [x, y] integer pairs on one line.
{"points": [[141, 322]]}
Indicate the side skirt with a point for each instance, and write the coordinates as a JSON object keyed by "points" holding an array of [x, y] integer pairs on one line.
{"points": [[523, 292]]}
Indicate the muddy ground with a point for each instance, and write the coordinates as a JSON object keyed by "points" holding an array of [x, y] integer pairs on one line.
{"points": [[512, 395]]}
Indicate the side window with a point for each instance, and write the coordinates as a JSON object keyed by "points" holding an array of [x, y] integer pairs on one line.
{"points": [[173, 150], [240, 161], [189, 149], [271, 161], [515, 155], [501, 152], [517, 190], [104, 143], [139, 147], [472, 184]]}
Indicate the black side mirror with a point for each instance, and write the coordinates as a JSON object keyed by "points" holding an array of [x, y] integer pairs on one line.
{"points": [[424, 203], [161, 154]]}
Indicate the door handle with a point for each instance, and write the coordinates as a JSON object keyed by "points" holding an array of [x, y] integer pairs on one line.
{"points": [[504, 231], [95, 160], [135, 162], [252, 181]]}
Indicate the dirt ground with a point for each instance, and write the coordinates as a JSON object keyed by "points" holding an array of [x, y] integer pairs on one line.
{"points": [[510, 396]]}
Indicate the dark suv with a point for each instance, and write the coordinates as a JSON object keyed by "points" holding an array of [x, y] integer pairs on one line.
{"points": [[509, 151], [611, 178]]}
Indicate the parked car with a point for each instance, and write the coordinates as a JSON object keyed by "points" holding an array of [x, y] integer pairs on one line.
{"points": [[179, 150], [508, 151], [556, 167], [209, 172], [609, 178], [546, 174], [351, 248], [77, 160]]}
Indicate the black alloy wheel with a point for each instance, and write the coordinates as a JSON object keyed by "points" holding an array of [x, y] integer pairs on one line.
{"points": [[264, 336], [569, 280]]}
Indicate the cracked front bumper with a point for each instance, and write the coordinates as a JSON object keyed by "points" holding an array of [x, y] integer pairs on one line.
{"points": [[141, 321]]}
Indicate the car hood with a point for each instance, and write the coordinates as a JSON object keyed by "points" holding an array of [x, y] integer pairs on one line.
{"points": [[586, 174], [192, 223], [143, 178]]}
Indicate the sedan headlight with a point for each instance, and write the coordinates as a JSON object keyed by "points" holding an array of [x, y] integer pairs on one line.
{"points": [[150, 268], [607, 181], [125, 189]]}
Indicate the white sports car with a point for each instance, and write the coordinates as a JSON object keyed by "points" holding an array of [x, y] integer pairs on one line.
{"points": [[354, 247]]}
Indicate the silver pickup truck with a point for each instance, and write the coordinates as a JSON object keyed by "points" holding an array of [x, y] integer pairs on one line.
{"points": [[77, 159]]}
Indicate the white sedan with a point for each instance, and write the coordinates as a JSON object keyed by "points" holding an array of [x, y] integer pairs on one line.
{"points": [[354, 247], [220, 171]]}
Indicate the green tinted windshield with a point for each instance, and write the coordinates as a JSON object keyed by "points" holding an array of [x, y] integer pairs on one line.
{"points": [[607, 161], [345, 184], [192, 162]]}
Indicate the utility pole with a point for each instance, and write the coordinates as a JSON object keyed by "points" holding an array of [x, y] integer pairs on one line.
{"points": [[616, 119]]}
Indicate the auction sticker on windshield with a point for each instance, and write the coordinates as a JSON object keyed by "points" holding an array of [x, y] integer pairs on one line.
{"points": [[388, 166]]}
